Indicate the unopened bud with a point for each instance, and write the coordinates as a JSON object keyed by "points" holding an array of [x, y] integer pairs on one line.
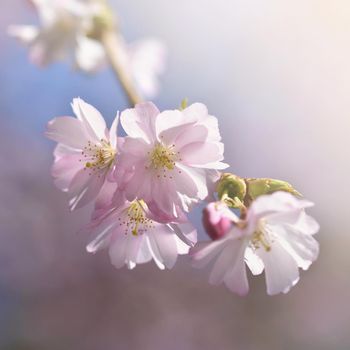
{"points": [[233, 188], [258, 187], [216, 220]]}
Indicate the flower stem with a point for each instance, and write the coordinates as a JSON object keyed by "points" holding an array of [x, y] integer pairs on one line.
{"points": [[113, 48]]}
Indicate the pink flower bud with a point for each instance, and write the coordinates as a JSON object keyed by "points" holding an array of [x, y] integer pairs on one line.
{"points": [[216, 219]]}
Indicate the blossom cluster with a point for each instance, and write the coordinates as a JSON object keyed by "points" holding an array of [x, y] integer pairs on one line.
{"points": [[143, 186]]}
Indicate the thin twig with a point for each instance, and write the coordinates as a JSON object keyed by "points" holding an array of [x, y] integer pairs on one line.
{"points": [[113, 48]]}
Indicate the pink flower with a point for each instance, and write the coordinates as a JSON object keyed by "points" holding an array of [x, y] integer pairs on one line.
{"points": [[65, 33], [85, 153], [134, 236], [217, 219], [146, 62], [62, 34], [168, 156], [276, 236]]}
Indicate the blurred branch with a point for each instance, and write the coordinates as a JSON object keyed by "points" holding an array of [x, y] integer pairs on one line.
{"points": [[106, 30], [113, 48]]}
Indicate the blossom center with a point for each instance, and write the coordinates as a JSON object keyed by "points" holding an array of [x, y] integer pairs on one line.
{"points": [[98, 156], [163, 157], [137, 222], [262, 237]]}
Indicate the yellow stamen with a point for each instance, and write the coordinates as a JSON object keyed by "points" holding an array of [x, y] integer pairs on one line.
{"points": [[261, 237], [100, 156], [136, 218], [163, 157]]}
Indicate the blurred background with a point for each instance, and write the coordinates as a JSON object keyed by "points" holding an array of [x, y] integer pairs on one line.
{"points": [[276, 74]]}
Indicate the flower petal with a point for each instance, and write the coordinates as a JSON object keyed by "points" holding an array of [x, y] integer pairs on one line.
{"points": [[164, 191], [89, 54], [118, 250], [199, 113], [102, 240], [171, 135], [253, 261], [25, 33], [198, 177], [147, 60], [186, 232], [277, 203], [190, 134], [236, 277], [132, 250], [181, 247], [204, 252], [139, 185], [201, 153], [139, 122], [136, 147], [64, 169], [169, 119], [196, 112], [113, 132], [163, 240], [106, 196], [307, 224], [231, 262], [84, 188], [144, 255], [281, 270], [154, 251], [93, 121], [302, 247], [67, 130]]}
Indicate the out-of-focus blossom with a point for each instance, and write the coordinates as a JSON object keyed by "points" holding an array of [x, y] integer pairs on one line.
{"points": [[217, 219], [146, 62], [276, 236], [62, 34], [168, 156], [85, 153], [133, 235], [143, 61], [66, 32]]}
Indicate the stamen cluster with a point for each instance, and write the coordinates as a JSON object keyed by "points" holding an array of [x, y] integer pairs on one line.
{"points": [[262, 237], [98, 156], [137, 222]]}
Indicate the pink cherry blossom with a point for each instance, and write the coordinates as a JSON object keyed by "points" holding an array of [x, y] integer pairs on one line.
{"points": [[133, 236], [167, 158], [217, 219], [276, 236], [65, 31], [85, 153], [62, 34], [145, 60]]}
